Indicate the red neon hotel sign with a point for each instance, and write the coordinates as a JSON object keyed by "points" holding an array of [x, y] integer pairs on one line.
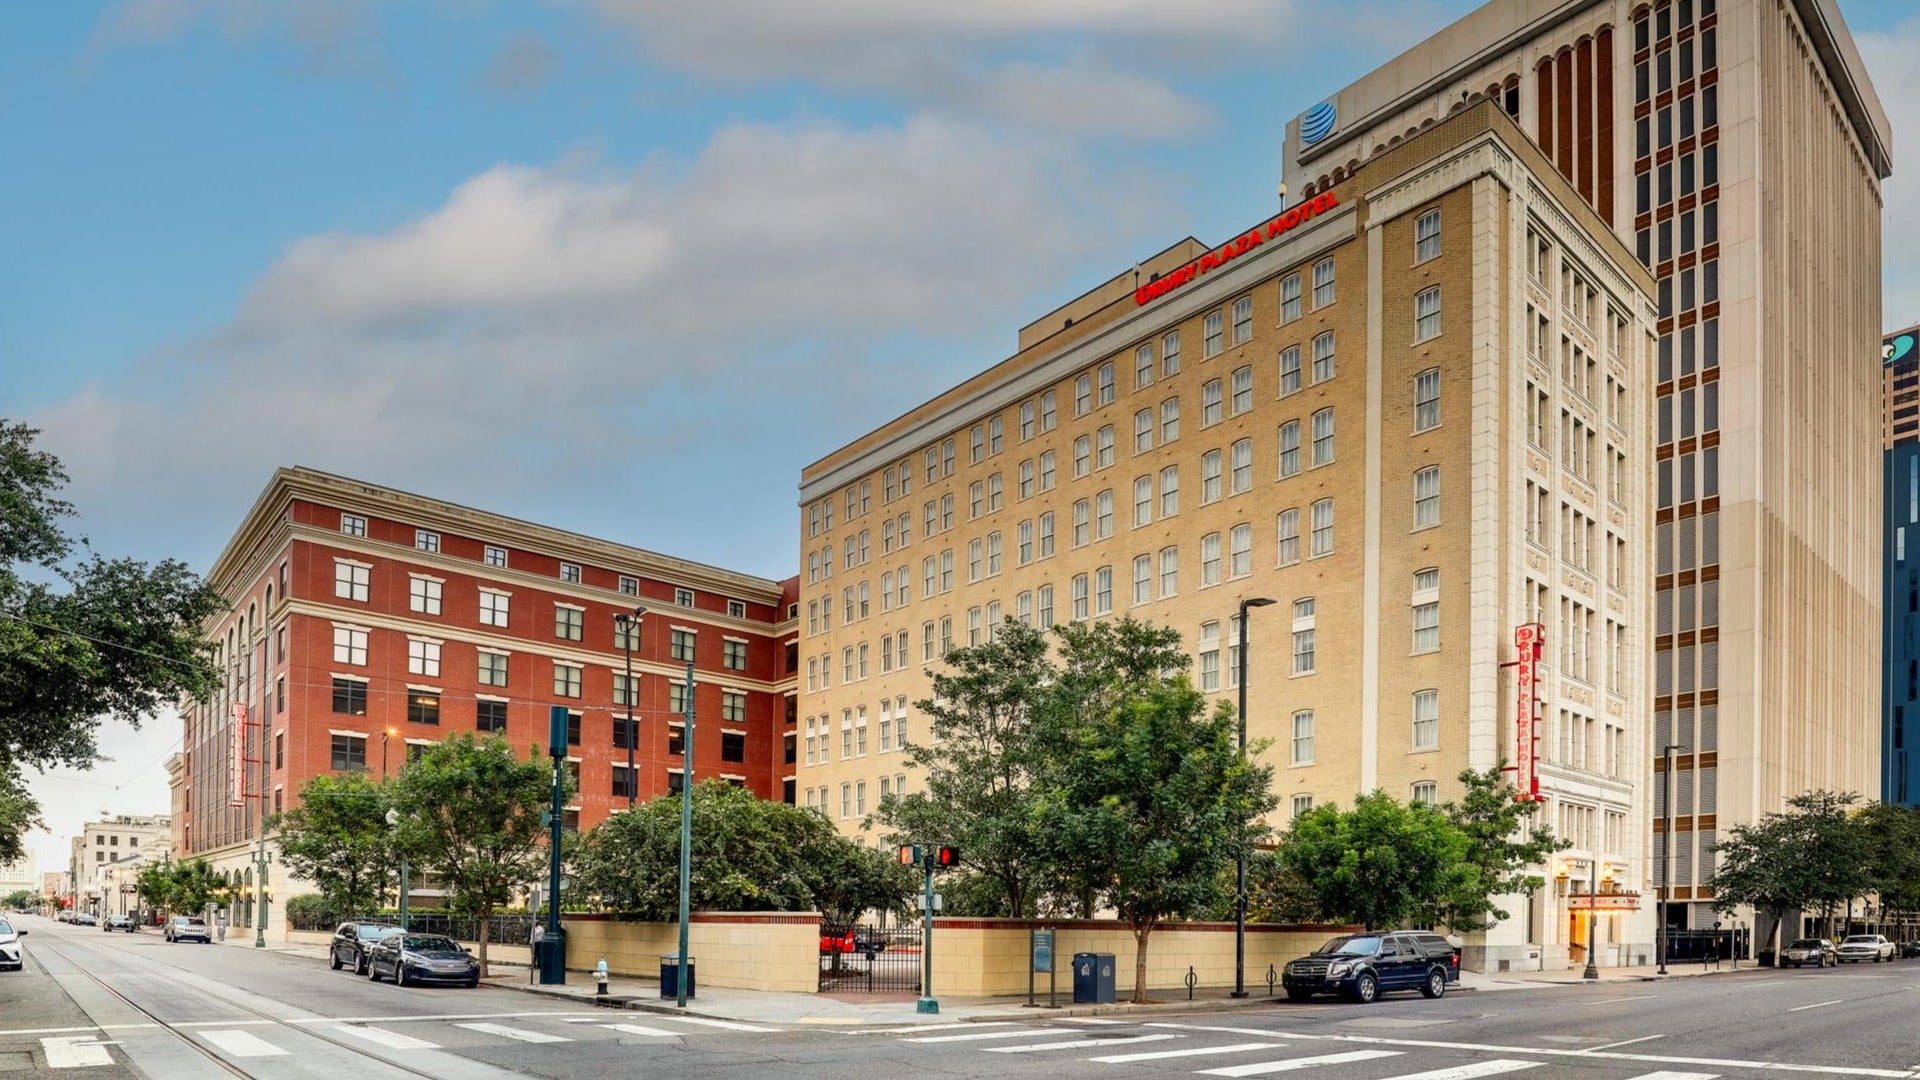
{"points": [[1233, 249]]}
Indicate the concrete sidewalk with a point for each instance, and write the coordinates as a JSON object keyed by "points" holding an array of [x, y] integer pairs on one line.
{"points": [[1534, 980]]}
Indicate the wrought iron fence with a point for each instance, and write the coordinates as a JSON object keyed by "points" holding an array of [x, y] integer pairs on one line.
{"points": [[512, 929], [870, 959]]}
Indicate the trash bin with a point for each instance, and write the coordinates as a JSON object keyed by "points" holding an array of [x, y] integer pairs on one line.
{"points": [[1093, 978], [550, 958], [670, 976]]}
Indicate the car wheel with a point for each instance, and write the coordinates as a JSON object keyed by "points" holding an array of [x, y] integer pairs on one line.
{"points": [[472, 983], [362, 965], [399, 974], [333, 960], [373, 973], [1436, 983], [1295, 993], [1366, 988]]}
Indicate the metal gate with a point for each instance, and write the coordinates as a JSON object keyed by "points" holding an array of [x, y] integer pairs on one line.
{"points": [[870, 959]]}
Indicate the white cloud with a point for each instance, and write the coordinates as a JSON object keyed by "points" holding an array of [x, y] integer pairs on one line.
{"points": [[333, 37], [1889, 58], [545, 325]]}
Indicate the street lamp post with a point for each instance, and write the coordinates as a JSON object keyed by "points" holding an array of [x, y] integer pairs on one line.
{"points": [[632, 625], [1240, 863], [1593, 902], [1666, 854], [385, 737], [393, 822], [686, 832]]}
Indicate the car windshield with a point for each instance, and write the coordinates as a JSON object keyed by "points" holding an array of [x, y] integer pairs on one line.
{"points": [[1806, 943], [195, 921], [375, 933], [1351, 945], [1860, 939], [5, 927], [421, 943]]}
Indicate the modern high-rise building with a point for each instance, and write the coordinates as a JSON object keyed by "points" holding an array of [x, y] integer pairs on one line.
{"points": [[1738, 146], [367, 623], [1900, 606], [1409, 410]]}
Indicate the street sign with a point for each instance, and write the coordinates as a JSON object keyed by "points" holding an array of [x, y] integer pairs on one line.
{"points": [[1043, 950], [939, 903]]}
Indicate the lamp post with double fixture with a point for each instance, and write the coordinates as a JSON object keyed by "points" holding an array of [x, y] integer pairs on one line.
{"points": [[1240, 862]]}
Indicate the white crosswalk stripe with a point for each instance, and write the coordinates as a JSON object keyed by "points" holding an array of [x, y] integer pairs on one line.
{"points": [[637, 1029], [1261, 1068], [1075, 1044], [516, 1034], [392, 1040], [245, 1044], [1677, 1076], [1189, 1051], [1477, 1069], [729, 1025], [977, 1036], [75, 1052]]}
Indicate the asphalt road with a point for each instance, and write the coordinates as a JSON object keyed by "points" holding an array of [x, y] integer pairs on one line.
{"points": [[97, 1005]]}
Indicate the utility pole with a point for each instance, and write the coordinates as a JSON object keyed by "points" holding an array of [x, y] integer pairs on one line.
{"points": [[552, 973], [1240, 863], [686, 832]]}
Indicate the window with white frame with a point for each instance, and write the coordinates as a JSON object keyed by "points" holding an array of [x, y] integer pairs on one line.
{"points": [[351, 581], [350, 645], [1426, 236], [1049, 415], [1169, 491], [1289, 449], [1210, 560], [1426, 720], [1043, 606], [1426, 610], [1426, 497], [1290, 297], [1242, 466], [1046, 471], [1322, 528], [1143, 431], [1323, 283], [1083, 395], [1209, 477], [353, 525], [495, 556], [1170, 353], [570, 573], [1323, 365], [1023, 545], [1289, 370], [494, 607], [995, 492], [1425, 793], [1082, 522], [1103, 446], [1210, 402], [1426, 400], [1045, 529], [1106, 383], [683, 597], [1170, 420], [1082, 456], [1323, 437], [423, 594], [996, 438], [566, 680], [1103, 515], [1169, 572], [1303, 636], [492, 667], [1287, 532], [993, 553], [423, 657], [1240, 551], [1212, 338], [630, 586], [1080, 596], [1142, 579], [1243, 320], [1103, 591], [426, 541], [1142, 501], [1303, 737], [1142, 365], [1426, 314], [1209, 653], [1242, 390], [1300, 807]]}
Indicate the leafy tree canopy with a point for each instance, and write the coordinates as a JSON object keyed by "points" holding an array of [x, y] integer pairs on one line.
{"points": [[1380, 863], [82, 636], [338, 838], [1502, 843]]}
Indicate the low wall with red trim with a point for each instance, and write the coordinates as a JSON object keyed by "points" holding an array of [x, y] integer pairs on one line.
{"points": [[990, 957], [741, 950]]}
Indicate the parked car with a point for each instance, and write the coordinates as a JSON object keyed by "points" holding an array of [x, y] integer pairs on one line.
{"points": [[861, 939], [63, 915], [1910, 949], [1816, 951], [1858, 947], [188, 928], [118, 922], [351, 940], [422, 958], [1363, 966], [10, 953]]}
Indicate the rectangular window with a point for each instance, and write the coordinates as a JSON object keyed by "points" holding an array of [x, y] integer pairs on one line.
{"points": [[1082, 518], [1242, 390], [681, 645], [1303, 626], [490, 717], [1209, 657], [349, 646], [733, 655], [630, 586], [1323, 366], [1169, 491], [1143, 431], [423, 595], [1323, 528], [1323, 437], [1301, 806], [1170, 353], [1143, 501], [1212, 339], [1289, 370], [1303, 737], [1170, 420], [426, 541], [1143, 365], [1426, 236], [677, 700], [423, 708], [1290, 298], [1103, 591], [1103, 515], [1083, 395], [1080, 596], [1043, 608], [423, 657], [1210, 560], [733, 706], [684, 597], [492, 668], [353, 525], [1240, 551], [1169, 572], [1106, 383], [351, 580], [1288, 532], [1209, 477], [1426, 400], [1082, 457], [1426, 314], [1322, 283], [493, 608], [1242, 466], [1290, 448], [1103, 447], [733, 746], [1243, 320], [566, 680], [570, 573], [1210, 402], [349, 753], [1426, 497], [1049, 414], [567, 622], [350, 697]]}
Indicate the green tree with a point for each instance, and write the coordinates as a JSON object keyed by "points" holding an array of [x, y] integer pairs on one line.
{"points": [[81, 638], [749, 854], [1381, 862], [19, 898], [338, 839], [155, 883], [1503, 843], [193, 886], [471, 815], [978, 791], [1812, 856], [1140, 780], [1893, 844]]}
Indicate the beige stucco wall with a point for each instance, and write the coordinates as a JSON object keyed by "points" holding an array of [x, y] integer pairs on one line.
{"points": [[746, 951], [990, 957]]}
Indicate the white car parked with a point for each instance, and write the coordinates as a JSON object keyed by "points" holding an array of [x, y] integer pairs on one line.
{"points": [[1860, 947], [10, 956]]}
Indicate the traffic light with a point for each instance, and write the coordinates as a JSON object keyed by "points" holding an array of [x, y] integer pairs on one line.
{"points": [[909, 855], [946, 858]]}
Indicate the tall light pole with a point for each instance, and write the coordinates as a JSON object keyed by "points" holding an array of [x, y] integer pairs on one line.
{"points": [[1240, 863], [393, 822], [631, 623], [1666, 853], [686, 830], [1593, 903]]}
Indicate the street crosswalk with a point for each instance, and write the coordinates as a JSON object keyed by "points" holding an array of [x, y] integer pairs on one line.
{"points": [[263, 1039], [1239, 1052]]}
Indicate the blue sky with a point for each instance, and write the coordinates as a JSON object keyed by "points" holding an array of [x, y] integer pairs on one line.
{"points": [[621, 266]]}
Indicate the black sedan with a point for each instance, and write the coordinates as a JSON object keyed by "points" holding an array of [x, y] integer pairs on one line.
{"points": [[417, 959], [351, 942]]}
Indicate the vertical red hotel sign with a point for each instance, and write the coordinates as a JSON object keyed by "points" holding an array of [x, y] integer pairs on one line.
{"points": [[237, 770], [1526, 639]]}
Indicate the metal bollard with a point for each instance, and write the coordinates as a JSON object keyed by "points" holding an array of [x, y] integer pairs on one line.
{"points": [[1192, 981], [1272, 977], [600, 979]]}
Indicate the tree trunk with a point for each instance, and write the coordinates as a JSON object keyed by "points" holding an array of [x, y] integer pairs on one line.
{"points": [[486, 923], [1141, 931]]}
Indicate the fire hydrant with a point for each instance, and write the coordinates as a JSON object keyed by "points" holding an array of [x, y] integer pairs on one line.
{"points": [[600, 979]]}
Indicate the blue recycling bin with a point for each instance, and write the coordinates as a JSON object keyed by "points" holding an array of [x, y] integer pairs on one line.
{"points": [[1093, 978]]}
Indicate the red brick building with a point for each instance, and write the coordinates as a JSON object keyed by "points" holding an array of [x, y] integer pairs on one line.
{"points": [[368, 623]]}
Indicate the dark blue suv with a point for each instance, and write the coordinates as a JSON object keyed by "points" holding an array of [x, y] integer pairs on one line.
{"points": [[1364, 966]]}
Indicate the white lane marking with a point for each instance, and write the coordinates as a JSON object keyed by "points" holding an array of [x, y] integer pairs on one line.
{"points": [[244, 1044], [1190, 1051], [636, 1029], [516, 1034], [1624, 1042], [58, 1031], [1261, 1068], [392, 1040], [935, 1027], [1076, 1044], [1554, 1051], [1089, 1020], [75, 1052], [727, 1024], [988, 1035], [1478, 1068], [1816, 1005], [223, 1023], [434, 1016], [1616, 1001], [1677, 1076]]}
